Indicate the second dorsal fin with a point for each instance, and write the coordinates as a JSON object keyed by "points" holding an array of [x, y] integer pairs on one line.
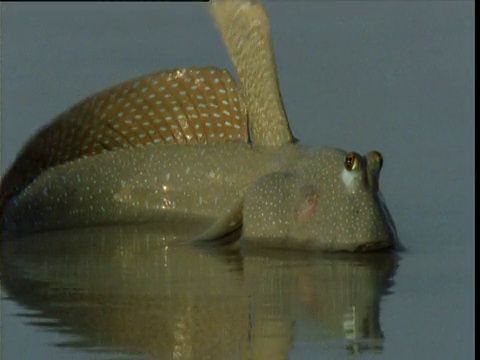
{"points": [[199, 105], [180, 106]]}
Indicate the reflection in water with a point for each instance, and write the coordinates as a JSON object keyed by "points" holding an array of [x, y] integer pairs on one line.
{"points": [[130, 289]]}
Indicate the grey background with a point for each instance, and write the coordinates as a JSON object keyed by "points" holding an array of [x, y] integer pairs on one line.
{"points": [[397, 77]]}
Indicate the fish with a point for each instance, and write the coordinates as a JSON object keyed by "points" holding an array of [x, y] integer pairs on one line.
{"points": [[191, 145]]}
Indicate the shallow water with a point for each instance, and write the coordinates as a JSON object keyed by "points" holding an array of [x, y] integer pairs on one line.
{"points": [[132, 289], [394, 76]]}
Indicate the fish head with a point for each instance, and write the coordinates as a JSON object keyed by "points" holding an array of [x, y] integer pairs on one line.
{"points": [[326, 199]]}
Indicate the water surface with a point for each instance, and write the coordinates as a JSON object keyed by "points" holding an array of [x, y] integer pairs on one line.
{"points": [[131, 289]]}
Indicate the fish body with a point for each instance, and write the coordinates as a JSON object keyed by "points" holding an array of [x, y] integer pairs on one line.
{"points": [[190, 145], [278, 194], [152, 183]]}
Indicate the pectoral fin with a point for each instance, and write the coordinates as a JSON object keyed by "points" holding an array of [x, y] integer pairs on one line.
{"points": [[229, 223]]}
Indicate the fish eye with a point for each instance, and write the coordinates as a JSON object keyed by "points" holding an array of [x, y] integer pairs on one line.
{"points": [[351, 161]]}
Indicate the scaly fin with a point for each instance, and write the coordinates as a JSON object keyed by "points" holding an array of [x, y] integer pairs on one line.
{"points": [[245, 29]]}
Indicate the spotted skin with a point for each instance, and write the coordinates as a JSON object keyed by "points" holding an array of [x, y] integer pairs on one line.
{"points": [[174, 148], [197, 182]]}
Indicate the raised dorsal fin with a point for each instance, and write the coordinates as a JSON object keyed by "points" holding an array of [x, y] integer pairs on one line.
{"points": [[196, 105], [245, 29]]}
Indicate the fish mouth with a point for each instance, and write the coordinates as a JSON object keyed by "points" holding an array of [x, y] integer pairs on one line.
{"points": [[375, 246]]}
